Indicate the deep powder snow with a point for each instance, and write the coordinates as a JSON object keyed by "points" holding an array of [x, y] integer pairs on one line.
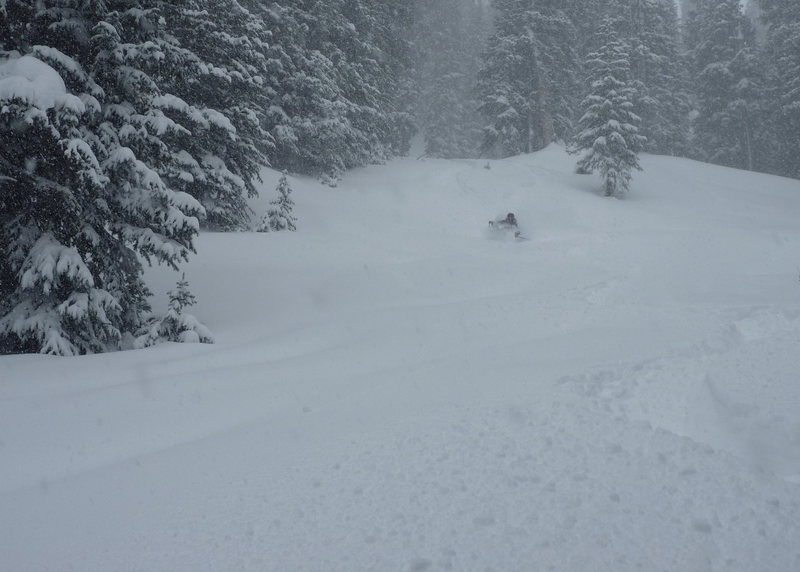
{"points": [[395, 388]]}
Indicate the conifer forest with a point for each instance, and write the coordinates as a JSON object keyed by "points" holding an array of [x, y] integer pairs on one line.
{"points": [[127, 126]]}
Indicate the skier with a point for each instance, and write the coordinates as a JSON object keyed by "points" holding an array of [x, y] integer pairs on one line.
{"points": [[509, 222]]}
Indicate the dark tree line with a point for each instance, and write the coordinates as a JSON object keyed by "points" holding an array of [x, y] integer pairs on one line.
{"points": [[717, 85], [535, 75]]}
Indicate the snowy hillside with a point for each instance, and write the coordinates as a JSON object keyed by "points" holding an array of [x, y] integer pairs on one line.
{"points": [[393, 388]]}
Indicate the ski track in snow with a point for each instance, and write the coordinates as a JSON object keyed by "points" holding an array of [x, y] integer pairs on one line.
{"points": [[393, 391]]}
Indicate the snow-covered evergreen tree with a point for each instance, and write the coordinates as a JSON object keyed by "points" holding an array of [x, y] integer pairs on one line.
{"points": [[340, 65], [15, 16], [81, 201], [609, 135], [663, 103], [216, 68], [729, 83], [176, 325], [527, 84], [658, 68], [782, 56], [280, 216], [49, 299], [586, 15]]}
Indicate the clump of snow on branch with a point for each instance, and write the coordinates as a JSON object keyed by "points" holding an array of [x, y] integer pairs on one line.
{"points": [[31, 80]]}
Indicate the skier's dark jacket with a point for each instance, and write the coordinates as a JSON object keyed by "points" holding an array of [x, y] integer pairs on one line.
{"points": [[509, 222]]}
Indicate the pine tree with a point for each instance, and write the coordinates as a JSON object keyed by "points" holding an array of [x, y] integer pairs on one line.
{"points": [[392, 37], [663, 102], [280, 216], [49, 299], [15, 15], [215, 67], [782, 55], [82, 199], [658, 69], [528, 80], [586, 16], [610, 134], [176, 325], [729, 85], [338, 102], [502, 102]]}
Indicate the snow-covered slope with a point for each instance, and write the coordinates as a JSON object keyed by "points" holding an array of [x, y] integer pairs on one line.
{"points": [[395, 389]]}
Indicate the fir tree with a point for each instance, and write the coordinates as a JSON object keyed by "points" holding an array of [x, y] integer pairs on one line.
{"points": [[782, 54], [610, 135], [280, 216], [176, 325], [215, 68], [392, 37], [728, 85], [528, 80], [340, 65], [586, 15], [49, 298], [15, 16], [663, 101], [82, 198], [658, 70]]}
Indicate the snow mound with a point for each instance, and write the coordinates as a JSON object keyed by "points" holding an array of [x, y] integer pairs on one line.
{"points": [[33, 81]]}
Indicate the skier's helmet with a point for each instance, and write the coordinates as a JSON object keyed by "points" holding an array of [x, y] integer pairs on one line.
{"points": [[511, 218]]}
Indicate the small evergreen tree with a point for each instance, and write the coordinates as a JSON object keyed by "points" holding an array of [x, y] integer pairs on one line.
{"points": [[609, 126], [280, 217], [176, 325]]}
